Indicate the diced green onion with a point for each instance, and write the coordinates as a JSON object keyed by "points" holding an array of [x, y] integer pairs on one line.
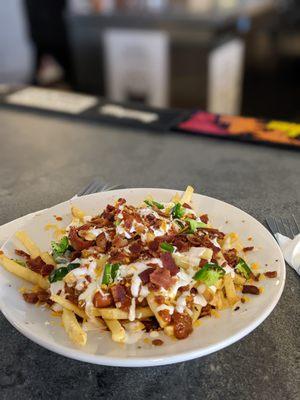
{"points": [[152, 203], [243, 268], [59, 273], [178, 211], [20, 262], [209, 274], [167, 247], [194, 225], [58, 249], [110, 273]]}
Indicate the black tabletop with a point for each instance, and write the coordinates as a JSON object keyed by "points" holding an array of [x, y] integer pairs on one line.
{"points": [[45, 160]]}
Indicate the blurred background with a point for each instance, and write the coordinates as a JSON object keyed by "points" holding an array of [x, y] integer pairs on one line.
{"points": [[225, 56]]}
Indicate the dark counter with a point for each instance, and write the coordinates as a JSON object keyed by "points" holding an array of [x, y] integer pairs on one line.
{"points": [[45, 160]]}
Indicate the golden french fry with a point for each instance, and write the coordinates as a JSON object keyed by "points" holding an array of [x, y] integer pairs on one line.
{"points": [[153, 305], [176, 198], [230, 290], [169, 330], [239, 280], [67, 304], [196, 312], [24, 238], [117, 331], [47, 258], [23, 272], [187, 195], [116, 313], [73, 328]]}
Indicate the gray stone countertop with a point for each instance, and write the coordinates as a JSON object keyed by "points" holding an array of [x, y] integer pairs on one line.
{"points": [[45, 160]]}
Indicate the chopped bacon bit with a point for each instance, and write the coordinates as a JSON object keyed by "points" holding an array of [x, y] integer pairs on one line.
{"points": [[58, 218], [143, 303], [119, 242], [128, 220], [184, 289], [39, 266], [103, 300], [76, 242], [120, 295], [204, 218], [22, 253], [75, 254], [231, 257], [162, 278], [271, 274], [202, 262], [165, 316], [145, 275], [169, 263], [43, 296], [183, 325], [205, 311], [154, 245], [101, 242], [250, 289], [31, 298], [71, 294], [157, 342], [249, 248], [1, 252], [121, 201], [159, 299], [135, 248]]}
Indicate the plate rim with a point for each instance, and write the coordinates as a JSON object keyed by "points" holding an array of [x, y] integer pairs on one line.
{"points": [[135, 361]]}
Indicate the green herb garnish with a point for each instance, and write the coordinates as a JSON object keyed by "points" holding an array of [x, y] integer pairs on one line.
{"points": [[59, 273], [110, 273], [58, 249], [243, 269], [152, 203], [209, 274], [167, 247], [178, 211], [20, 262], [194, 225]]}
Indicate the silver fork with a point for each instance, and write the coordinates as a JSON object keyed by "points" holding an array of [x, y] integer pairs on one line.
{"points": [[286, 226], [95, 186]]}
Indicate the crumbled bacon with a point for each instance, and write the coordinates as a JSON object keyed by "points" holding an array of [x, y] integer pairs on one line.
{"points": [[205, 311], [31, 298], [162, 278], [102, 300], [22, 254], [136, 248], [204, 218], [39, 266], [145, 275], [76, 242], [183, 325], [101, 242], [231, 257], [271, 274], [121, 296], [169, 263], [151, 324], [249, 248], [159, 299], [250, 289]]}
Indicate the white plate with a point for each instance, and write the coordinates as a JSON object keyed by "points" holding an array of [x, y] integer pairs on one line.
{"points": [[214, 333]]}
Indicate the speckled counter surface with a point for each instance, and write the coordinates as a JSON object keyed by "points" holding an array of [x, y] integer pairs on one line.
{"points": [[45, 160]]}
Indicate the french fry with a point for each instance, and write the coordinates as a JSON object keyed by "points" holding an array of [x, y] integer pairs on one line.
{"points": [[187, 195], [77, 213], [230, 290], [116, 313], [73, 328], [47, 258], [169, 330], [118, 333], [24, 238], [67, 304], [176, 198], [196, 312], [23, 272], [239, 280], [153, 305]]}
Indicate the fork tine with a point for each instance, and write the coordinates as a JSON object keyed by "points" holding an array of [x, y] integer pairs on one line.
{"points": [[287, 227], [271, 224], [294, 226]]}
